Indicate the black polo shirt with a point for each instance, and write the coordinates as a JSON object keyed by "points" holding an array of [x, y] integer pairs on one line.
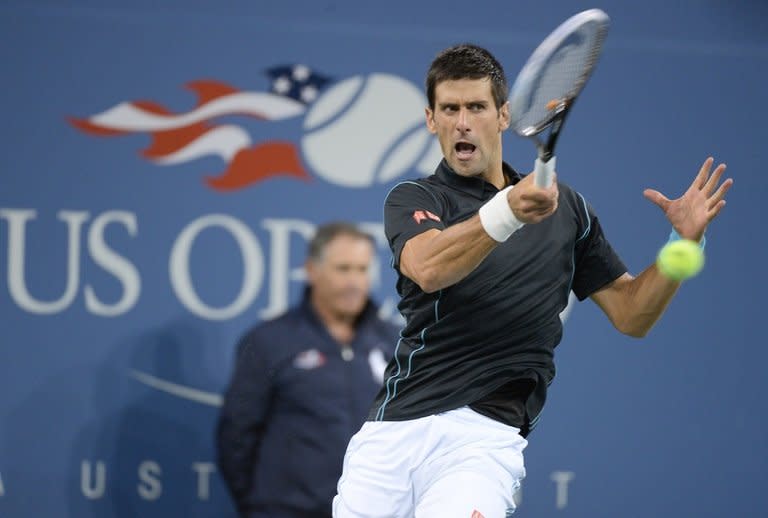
{"points": [[487, 341]]}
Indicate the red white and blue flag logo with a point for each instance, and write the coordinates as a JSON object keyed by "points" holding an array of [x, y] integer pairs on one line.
{"points": [[356, 132]]}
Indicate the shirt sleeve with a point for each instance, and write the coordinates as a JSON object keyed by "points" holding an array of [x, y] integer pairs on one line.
{"points": [[409, 210], [597, 263]]}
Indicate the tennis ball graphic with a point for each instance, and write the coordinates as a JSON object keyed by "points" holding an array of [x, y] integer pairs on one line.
{"points": [[367, 130]]}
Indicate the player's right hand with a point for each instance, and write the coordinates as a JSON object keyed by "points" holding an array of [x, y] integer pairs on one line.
{"points": [[530, 203]]}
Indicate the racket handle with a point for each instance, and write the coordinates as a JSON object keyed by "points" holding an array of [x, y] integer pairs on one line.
{"points": [[543, 172]]}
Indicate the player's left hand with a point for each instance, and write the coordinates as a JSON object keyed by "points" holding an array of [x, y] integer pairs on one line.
{"points": [[701, 203]]}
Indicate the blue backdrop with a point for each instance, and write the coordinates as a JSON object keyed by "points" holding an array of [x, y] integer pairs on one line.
{"points": [[162, 163]]}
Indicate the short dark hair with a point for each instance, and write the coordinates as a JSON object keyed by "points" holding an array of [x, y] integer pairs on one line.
{"points": [[467, 61], [328, 232]]}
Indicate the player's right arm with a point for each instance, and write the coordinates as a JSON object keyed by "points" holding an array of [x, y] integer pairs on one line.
{"points": [[436, 259], [436, 256]]}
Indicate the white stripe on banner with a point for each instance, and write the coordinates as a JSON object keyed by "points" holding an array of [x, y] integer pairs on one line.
{"points": [[182, 391]]}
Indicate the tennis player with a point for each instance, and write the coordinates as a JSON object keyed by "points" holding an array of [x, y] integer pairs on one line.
{"points": [[486, 261]]}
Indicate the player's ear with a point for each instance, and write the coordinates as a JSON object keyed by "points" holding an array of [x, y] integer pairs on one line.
{"points": [[504, 116], [430, 115]]}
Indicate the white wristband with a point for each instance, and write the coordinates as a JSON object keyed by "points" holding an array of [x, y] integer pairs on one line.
{"points": [[497, 217]]}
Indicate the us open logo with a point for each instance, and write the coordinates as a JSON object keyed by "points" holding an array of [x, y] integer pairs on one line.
{"points": [[356, 133]]}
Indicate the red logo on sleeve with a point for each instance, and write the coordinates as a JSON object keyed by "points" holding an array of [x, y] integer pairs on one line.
{"points": [[421, 215]]}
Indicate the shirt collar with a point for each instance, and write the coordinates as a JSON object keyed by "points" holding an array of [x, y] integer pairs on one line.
{"points": [[474, 185], [370, 311]]}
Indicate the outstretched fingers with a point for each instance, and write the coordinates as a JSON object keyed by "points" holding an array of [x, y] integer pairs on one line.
{"points": [[716, 209], [657, 198], [701, 179], [714, 180], [717, 201]]}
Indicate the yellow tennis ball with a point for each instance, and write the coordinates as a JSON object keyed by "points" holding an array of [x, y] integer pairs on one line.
{"points": [[680, 260]]}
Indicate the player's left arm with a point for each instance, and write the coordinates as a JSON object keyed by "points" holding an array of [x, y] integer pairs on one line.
{"points": [[634, 304]]}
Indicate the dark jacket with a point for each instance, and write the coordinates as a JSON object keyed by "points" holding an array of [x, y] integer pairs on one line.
{"points": [[294, 401]]}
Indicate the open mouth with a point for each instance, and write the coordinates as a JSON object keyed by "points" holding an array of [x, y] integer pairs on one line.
{"points": [[464, 150]]}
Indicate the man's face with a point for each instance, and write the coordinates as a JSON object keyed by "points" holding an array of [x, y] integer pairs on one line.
{"points": [[468, 126], [340, 279]]}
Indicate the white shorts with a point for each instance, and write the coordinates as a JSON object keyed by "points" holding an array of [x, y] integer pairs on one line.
{"points": [[456, 464]]}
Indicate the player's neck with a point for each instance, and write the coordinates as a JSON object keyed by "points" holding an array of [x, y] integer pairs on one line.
{"points": [[495, 176]]}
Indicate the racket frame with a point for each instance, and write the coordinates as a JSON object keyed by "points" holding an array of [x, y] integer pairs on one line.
{"points": [[544, 166]]}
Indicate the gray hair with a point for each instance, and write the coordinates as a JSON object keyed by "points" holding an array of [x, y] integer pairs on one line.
{"points": [[330, 231]]}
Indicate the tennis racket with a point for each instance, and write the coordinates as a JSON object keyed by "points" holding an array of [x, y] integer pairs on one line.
{"points": [[551, 80]]}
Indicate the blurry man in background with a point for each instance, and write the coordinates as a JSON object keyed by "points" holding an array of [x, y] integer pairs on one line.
{"points": [[303, 384]]}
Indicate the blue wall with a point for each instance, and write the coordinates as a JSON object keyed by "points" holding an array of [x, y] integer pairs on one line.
{"points": [[126, 281]]}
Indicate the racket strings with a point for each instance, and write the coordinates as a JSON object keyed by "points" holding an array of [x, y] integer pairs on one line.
{"points": [[561, 76]]}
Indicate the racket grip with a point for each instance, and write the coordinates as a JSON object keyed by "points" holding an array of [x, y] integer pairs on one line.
{"points": [[543, 172]]}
